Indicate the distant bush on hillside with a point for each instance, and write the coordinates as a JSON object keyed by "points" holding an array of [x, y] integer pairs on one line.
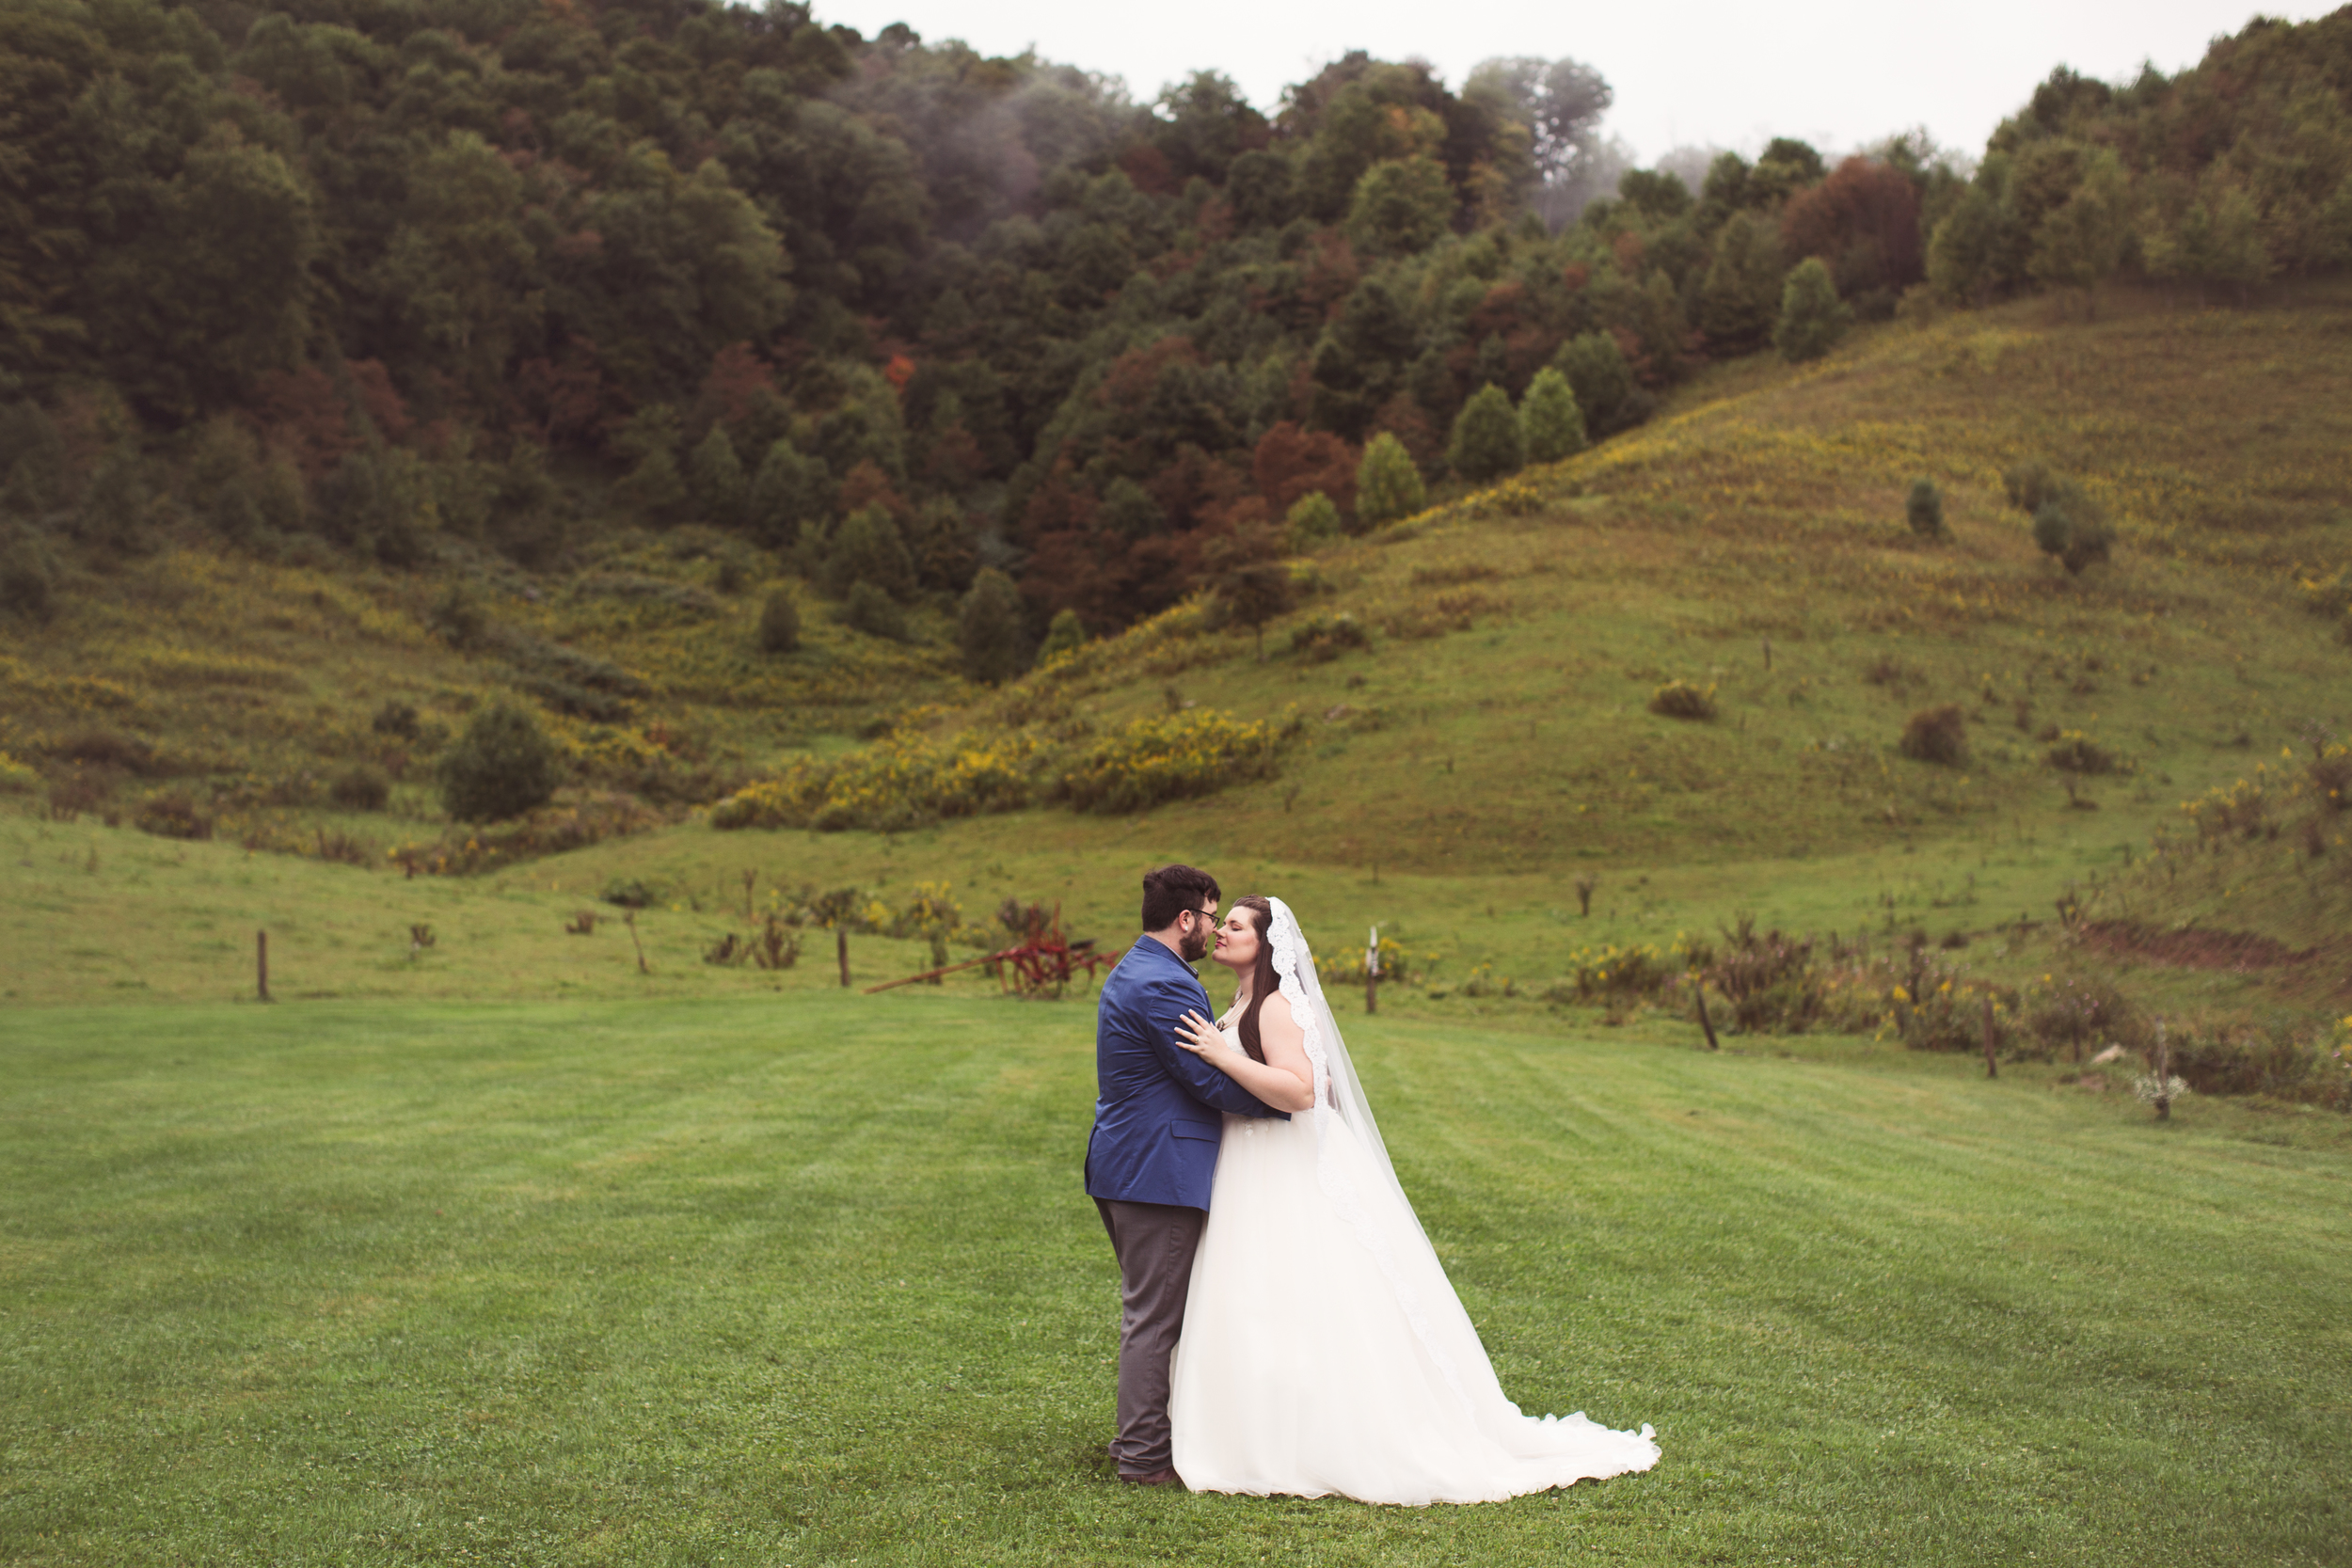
{"points": [[1937, 734], [2076, 753], [2068, 526], [1923, 509], [1683, 700], [1388, 485], [1326, 637], [501, 767], [1067, 634]]}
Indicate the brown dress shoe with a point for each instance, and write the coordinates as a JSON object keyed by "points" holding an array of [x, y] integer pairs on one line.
{"points": [[1157, 1478]]}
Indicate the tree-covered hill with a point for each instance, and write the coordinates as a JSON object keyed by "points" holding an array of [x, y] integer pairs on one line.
{"points": [[382, 279]]}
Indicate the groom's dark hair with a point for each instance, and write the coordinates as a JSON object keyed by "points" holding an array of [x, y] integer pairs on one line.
{"points": [[1173, 889]]}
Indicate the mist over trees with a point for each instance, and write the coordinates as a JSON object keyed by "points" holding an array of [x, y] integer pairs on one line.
{"points": [[386, 278]]}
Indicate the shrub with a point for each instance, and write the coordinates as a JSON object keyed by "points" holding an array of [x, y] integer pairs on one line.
{"points": [[2073, 1014], [1065, 634], [2076, 753], [1683, 700], [173, 815], [2053, 530], [1603, 381], [630, 893], [1323, 638], [1937, 734], [1769, 980], [779, 624], [501, 767], [987, 629], [1812, 317], [396, 718], [2251, 1061], [873, 612], [791, 490], [1487, 443], [1170, 758], [550, 831], [1923, 509], [360, 788], [1312, 519], [899, 782], [1388, 485], [1548, 414]]}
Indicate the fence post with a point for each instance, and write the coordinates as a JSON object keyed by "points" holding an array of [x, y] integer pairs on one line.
{"points": [[260, 964], [1699, 989], [1992, 1068], [841, 951]]}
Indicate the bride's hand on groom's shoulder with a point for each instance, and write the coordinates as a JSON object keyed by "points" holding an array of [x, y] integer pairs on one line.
{"points": [[1198, 1035]]}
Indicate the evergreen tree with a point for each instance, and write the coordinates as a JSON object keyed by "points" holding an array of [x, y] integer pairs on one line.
{"points": [[867, 549], [1812, 317], [988, 630], [1487, 443], [791, 490], [1388, 485], [716, 477], [779, 624], [1310, 520], [1603, 381], [1554, 424], [1742, 285], [1064, 634], [501, 767]]}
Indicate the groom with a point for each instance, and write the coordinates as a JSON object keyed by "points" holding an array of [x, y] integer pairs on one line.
{"points": [[1156, 1130]]}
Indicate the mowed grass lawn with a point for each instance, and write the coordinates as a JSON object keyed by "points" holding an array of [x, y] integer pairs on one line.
{"points": [[811, 1280]]}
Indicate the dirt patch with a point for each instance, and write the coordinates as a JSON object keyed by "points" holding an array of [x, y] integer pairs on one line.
{"points": [[2242, 951]]}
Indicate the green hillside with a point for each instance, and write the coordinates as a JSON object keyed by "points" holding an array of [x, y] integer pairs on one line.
{"points": [[1452, 777]]}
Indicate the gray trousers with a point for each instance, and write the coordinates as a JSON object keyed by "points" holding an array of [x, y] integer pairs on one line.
{"points": [[1155, 1244]]}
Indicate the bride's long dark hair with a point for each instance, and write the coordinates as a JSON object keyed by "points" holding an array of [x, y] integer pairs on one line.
{"points": [[1263, 980]]}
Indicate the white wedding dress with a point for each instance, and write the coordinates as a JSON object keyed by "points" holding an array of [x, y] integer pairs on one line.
{"points": [[1324, 1350]]}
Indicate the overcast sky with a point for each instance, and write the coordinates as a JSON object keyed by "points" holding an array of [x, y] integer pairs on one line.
{"points": [[1729, 73]]}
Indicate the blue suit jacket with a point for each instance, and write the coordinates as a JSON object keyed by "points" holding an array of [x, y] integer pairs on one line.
{"points": [[1156, 1127]]}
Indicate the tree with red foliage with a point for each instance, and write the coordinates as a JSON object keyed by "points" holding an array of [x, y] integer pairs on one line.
{"points": [[1291, 463], [736, 378], [1862, 222]]}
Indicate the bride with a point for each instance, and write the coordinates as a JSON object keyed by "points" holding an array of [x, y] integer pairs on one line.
{"points": [[1324, 1350]]}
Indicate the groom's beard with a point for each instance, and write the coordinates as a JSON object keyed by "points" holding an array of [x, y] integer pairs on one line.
{"points": [[1194, 946]]}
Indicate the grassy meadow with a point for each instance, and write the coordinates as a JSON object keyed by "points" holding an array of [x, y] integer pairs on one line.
{"points": [[519, 1247], [811, 1281]]}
